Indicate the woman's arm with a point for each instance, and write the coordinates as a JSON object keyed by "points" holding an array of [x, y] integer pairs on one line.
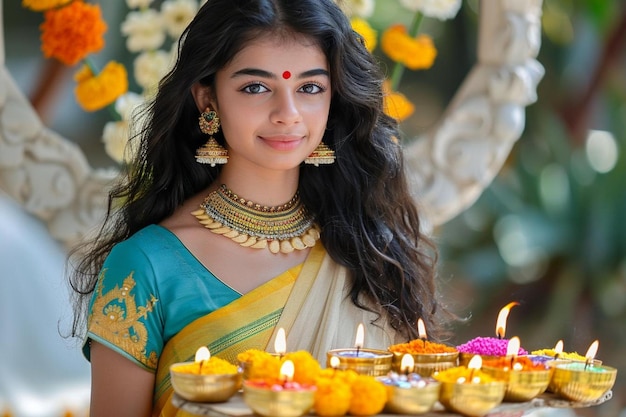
{"points": [[119, 387]]}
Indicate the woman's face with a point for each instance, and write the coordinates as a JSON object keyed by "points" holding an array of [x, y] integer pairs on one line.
{"points": [[273, 100]]}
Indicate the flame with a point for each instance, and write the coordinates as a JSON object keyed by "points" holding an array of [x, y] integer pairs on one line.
{"points": [[475, 363], [334, 362], [407, 363], [203, 354], [591, 352], [421, 329], [286, 371], [360, 336], [502, 316], [280, 344], [558, 349], [512, 348]]}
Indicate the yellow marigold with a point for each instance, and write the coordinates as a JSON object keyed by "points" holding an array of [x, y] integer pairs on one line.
{"points": [[95, 92], [396, 105], [414, 53], [306, 367], [265, 367], [363, 28], [368, 396], [72, 32], [563, 355], [41, 5], [251, 355], [332, 397]]}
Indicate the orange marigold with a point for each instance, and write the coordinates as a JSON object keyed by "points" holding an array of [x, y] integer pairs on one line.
{"points": [[414, 53], [332, 397], [396, 105], [368, 396], [94, 92], [363, 28], [41, 5], [72, 32], [306, 367]]}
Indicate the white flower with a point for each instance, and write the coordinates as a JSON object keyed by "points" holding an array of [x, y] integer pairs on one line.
{"points": [[177, 14], [150, 67], [360, 8], [138, 4], [439, 9], [144, 30], [115, 138], [127, 103]]}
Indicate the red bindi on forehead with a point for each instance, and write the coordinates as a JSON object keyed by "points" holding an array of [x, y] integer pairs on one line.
{"points": [[286, 75]]}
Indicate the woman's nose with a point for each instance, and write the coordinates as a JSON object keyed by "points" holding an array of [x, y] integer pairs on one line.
{"points": [[285, 109]]}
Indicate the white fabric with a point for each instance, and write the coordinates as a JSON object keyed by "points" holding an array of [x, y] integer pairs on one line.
{"points": [[41, 373]]}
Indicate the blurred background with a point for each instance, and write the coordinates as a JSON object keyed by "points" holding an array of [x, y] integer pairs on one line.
{"points": [[549, 232]]}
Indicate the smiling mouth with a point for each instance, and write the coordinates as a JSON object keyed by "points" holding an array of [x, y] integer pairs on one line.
{"points": [[283, 142]]}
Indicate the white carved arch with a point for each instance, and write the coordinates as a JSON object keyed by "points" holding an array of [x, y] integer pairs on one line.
{"points": [[448, 167]]}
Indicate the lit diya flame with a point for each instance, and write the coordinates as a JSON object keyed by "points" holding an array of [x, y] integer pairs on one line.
{"points": [[421, 329], [591, 353], [474, 364], [407, 364], [360, 338], [558, 349], [280, 344], [334, 362], [286, 371], [202, 355], [502, 316], [512, 349]]}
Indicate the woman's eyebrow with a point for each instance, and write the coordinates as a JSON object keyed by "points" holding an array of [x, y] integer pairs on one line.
{"points": [[267, 74]]}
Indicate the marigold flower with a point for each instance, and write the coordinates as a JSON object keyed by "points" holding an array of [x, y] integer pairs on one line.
{"points": [[368, 396], [332, 397], [177, 14], [396, 105], [414, 53], [262, 365], [364, 29], [72, 32], [94, 92], [41, 5], [306, 367]]}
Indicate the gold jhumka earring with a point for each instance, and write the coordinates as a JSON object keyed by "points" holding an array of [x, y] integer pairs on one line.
{"points": [[211, 152], [321, 155]]}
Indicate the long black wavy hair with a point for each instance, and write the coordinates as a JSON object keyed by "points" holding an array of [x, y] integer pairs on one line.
{"points": [[369, 221]]}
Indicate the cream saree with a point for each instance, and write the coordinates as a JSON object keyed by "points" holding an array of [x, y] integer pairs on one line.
{"points": [[314, 311]]}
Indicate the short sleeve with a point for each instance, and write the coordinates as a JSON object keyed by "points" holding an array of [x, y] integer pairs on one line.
{"points": [[124, 312]]}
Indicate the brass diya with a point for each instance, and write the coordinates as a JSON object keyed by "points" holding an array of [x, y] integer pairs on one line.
{"points": [[521, 385], [577, 381], [471, 399], [371, 362], [426, 364], [465, 358], [412, 400], [267, 402], [204, 387]]}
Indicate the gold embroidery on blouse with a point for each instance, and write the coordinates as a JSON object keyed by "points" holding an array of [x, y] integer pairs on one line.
{"points": [[115, 317]]}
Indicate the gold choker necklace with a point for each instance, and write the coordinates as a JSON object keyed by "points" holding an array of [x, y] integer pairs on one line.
{"points": [[279, 228]]}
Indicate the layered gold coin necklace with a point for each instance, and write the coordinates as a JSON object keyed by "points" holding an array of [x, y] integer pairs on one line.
{"points": [[283, 228]]}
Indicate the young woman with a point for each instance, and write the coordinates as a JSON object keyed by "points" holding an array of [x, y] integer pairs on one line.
{"points": [[268, 192]]}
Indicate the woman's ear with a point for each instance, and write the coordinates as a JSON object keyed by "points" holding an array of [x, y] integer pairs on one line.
{"points": [[203, 96]]}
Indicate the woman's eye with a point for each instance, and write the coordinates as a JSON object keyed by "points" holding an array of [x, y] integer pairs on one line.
{"points": [[254, 89], [312, 89]]}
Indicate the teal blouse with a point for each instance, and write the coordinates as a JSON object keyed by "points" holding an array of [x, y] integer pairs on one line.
{"points": [[150, 287]]}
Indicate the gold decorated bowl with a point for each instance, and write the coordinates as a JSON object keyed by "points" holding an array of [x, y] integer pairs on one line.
{"points": [[576, 382], [412, 400], [471, 399], [204, 387], [371, 362], [523, 385], [465, 358], [426, 364], [283, 403]]}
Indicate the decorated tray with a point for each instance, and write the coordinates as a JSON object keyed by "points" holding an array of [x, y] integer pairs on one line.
{"points": [[236, 407]]}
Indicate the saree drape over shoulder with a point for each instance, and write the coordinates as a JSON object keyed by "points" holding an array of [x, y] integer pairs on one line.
{"points": [[156, 304]]}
